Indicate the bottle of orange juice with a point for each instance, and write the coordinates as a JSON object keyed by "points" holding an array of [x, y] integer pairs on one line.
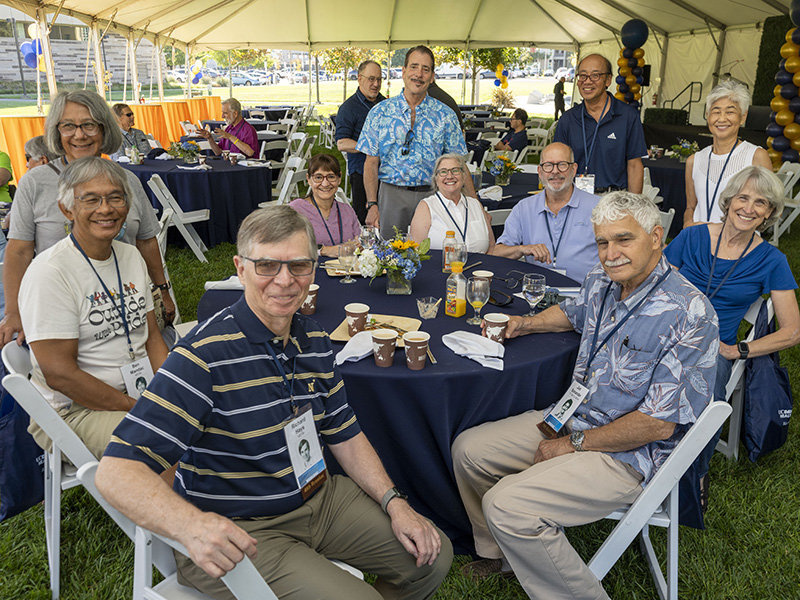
{"points": [[456, 294]]}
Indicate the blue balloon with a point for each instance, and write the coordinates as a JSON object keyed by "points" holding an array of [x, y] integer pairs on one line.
{"points": [[37, 46], [782, 64], [795, 12], [781, 143], [774, 130], [783, 77], [620, 80], [25, 48], [634, 103], [796, 37], [790, 155], [789, 91], [634, 33], [796, 117], [31, 60], [505, 72], [627, 53], [640, 80], [632, 62], [623, 87], [636, 71], [497, 82], [794, 104], [773, 114], [196, 79], [629, 97]]}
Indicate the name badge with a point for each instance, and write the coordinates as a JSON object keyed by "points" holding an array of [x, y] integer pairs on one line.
{"points": [[564, 409], [585, 183], [136, 376], [305, 452]]}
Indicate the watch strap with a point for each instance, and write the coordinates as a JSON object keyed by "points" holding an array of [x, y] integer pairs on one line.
{"points": [[391, 495], [371, 204]]}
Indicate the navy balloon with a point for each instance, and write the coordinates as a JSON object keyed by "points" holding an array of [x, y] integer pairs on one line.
{"points": [[773, 114], [794, 104], [796, 117], [623, 87], [25, 48], [796, 37], [31, 60], [37, 46], [789, 91], [640, 80], [634, 103], [634, 33], [774, 130], [627, 53], [783, 77], [781, 143], [629, 97], [782, 64], [632, 62], [790, 155], [620, 80], [636, 71], [795, 12]]}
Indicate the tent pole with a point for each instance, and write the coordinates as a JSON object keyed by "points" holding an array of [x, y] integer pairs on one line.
{"points": [[44, 35], [100, 76], [135, 93], [157, 49], [125, 74], [310, 84], [662, 70], [188, 91], [718, 62]]}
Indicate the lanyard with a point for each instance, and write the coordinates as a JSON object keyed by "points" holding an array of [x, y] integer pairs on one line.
{"points": [[714, 263], [466, 216], [338, 215], [561, 237], [595, 347], [121, 308], [710, 200], [588, 153], [289, 387]]}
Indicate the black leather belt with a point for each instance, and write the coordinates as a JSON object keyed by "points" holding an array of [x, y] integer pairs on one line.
{"points": [[611, 188], [414, 188]]}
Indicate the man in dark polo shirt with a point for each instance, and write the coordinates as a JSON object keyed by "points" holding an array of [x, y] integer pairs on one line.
{"points": [[349, 121], [235, 401]]}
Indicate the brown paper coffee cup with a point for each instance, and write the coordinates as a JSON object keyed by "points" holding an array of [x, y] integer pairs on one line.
{"points": [[416, 343], [309, 306], [356, 317], [496, 325], [384, 342]]}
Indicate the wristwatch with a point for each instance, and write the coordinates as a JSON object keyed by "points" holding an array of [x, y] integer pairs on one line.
{"points": [[371, 204], [391, 495], [163, 286], [576, 439], [744, 349]]}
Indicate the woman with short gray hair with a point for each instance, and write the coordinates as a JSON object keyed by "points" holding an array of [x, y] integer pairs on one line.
{"points": [[37, 153], [79, 124], [708, 171]]}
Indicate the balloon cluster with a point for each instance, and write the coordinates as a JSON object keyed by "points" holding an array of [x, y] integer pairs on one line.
{"points": [[783, 143], [197, 71], [631, 62], [32, 50], [501, 75]]}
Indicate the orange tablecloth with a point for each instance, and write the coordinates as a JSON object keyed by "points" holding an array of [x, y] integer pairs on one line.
{"points": [[14, 132], [174, 113], [198, 109], [150, 119], [214, 107]]}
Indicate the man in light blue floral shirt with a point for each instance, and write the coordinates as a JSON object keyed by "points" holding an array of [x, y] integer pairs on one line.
{"points": [[645, 371], [402, 138]]}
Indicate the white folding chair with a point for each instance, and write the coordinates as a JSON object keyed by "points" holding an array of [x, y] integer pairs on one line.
{"points": [[537, 139], [791, 210], [163, 226], [276, 145], [279, 128], [666, 220], [657, 505], [526, 168], [551, 132], [257, 114], [522, 155], [734, 391], [536, 122], [290, 189], [189, 128], [182, 220], [495, 125], [292, 123], [293, 163], [297, 141], [58, 475], [789, 173], [499, 216], [154, 143]]}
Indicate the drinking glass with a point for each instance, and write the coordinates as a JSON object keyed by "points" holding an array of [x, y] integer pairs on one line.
{"points": [[478, 289], [347, 258], [533, 288], [368, 236]]}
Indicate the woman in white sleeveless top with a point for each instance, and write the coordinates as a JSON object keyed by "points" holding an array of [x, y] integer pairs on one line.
{"points": [[708, 171]]}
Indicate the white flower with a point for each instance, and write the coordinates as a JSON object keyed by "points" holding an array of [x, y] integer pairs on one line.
{"points": [[368, 263]]}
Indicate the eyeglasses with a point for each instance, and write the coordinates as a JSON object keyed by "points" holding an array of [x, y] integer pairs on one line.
{"points": [[130, 114], [593, 76], [319, 177], [406, 148], [562, 166], [92, 201], [453, 171], [372, 79], [89, 128], [27, 157], [268, 267]]}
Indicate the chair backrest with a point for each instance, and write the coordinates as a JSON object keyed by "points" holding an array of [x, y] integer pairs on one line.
{"points": [[17, 359], [789, 173], [164, 196], [279, 128], [551, 133], [737, 370], [275, 145], [666, 220], [499, 216], [309, 147], [189, 128], [536, 123], [522, 155], [293, 163], [647, 177], [495, 125], [289, 188], [163, 227]]}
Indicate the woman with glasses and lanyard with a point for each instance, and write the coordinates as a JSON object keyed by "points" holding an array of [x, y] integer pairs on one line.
{"points": [[87, 309], [708, 171], [131, 137], [334, 222], [79, 124], [449, 209]]}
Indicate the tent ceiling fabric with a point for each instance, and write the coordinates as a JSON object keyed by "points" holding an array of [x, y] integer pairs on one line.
{"points": [[319, 24]]}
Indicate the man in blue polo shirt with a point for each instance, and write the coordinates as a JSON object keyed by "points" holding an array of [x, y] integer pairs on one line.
{"points": [[402, 138], [235, 404], [605, 134], [553, 229], [349, 121]]}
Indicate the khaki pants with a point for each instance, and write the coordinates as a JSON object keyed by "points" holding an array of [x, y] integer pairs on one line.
{"points": [[517, 508], [94, 427], [339, 522]]}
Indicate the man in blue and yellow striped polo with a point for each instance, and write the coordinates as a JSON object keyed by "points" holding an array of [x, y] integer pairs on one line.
{"points": [[243, 405]]}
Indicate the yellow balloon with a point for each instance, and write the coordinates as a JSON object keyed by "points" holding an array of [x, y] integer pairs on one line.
{"points": [[784, 116], [637, 97], [789, 49], [769, 143], [500, 67], [792, 64], [503, 79], [630, 79], [776, 91], [774, 156], [796, 144], [625, 71], [504, 85], [41, 66], [620, 96], [622, 62], [779, 104], [789, 33], [796, 79], [621, 55], [635, 88], [640, 62], [792, 131], [638, 53]]}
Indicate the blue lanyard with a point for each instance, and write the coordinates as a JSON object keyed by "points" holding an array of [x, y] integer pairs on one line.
{"points": [[121, 308], [466, 216], [289, 387], [588, 153], [561, 237], [338, 216], [714, 263], [595, 347], [710, 200]]}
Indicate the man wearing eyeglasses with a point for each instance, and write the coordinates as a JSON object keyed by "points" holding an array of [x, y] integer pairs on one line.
{"points": [[402, 138], [349, 122], [131, 137], [553, 229], [605, 133], [234, 401]]}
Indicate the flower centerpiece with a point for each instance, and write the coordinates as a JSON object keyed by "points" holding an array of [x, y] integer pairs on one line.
{"points": [[188, 151], [684, 149], [502, 168], [400, 257]]}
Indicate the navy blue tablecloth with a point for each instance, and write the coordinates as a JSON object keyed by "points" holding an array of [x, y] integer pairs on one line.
{"points": [[274, 113], [229, 192], [669, 174], [258, 124], [412, 417]]}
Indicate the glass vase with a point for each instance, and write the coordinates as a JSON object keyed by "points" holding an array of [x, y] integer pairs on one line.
{"points": [[502, 180], [190, 159], [396, 284]]}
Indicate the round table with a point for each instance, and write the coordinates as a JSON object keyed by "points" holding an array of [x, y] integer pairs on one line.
{"points": [[230, 192], [412, 417]]}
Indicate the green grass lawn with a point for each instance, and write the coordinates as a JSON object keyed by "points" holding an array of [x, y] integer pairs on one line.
{"points": [[750, 550]]}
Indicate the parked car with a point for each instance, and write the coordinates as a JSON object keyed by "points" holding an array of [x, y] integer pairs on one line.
{"points": [[352, 75], [396, 73], [242, 78], [448, 72], [178, 74], [487, 74], [548, 73]]}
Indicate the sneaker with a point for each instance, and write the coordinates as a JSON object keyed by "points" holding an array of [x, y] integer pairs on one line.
{"points": [[479, 570]]}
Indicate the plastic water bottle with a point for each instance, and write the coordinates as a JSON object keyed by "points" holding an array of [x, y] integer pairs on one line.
{"points": [[447, 250], [456, 293]]}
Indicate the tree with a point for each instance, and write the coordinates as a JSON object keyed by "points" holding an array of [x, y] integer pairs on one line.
{"points": [[249, 57], [478, 59], [347, 58]]}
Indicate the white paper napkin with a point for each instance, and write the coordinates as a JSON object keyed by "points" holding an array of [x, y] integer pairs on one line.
{"points": [[195, 168], [359, 346], [494, 192], [164, 156], [123, 159], [476, 347], [231, 283], [253, 163]]}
